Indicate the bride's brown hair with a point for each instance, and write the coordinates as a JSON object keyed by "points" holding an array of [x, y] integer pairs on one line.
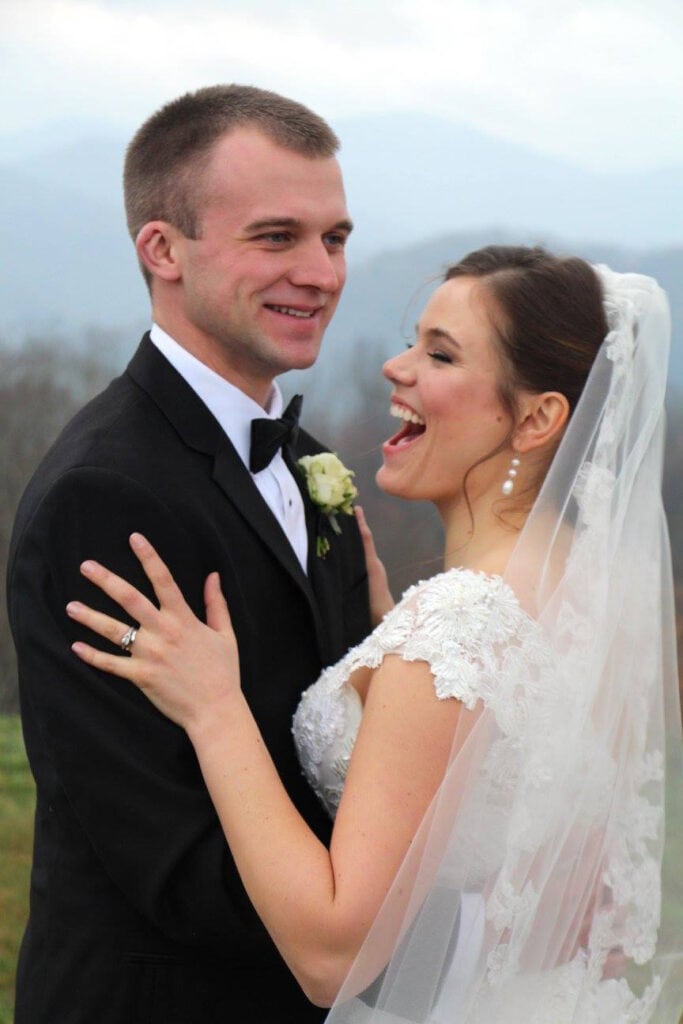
{"points": [[547, 313]]}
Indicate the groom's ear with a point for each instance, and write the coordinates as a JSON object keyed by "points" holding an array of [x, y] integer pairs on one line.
{"points": [[157, 246]]}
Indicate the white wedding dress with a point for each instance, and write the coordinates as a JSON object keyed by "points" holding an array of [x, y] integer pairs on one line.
{"points": [[482, 646]]}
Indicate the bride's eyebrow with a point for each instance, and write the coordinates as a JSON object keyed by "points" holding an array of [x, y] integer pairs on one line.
{"points": [[435, 334]]}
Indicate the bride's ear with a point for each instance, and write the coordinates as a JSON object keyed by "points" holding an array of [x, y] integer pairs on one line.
{"points": [[541, 422]]}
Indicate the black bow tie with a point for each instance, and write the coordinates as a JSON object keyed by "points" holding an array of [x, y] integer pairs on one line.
{"points": [[268, 436]]}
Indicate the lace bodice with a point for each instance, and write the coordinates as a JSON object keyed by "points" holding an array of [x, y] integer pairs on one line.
{"points": [[460, 622]]}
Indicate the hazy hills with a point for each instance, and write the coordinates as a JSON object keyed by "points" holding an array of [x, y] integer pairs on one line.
{"points": [[410, 177], [422, 192]]}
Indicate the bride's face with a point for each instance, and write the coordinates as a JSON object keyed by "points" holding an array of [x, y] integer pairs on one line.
{"points": [[445, 391]]}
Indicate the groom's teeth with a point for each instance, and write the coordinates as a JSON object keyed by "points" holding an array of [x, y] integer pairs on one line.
{"points": [[402, 413], [292, 312]]}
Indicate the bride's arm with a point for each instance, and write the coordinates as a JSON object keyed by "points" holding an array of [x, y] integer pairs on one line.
{"points": [[317, 904]]}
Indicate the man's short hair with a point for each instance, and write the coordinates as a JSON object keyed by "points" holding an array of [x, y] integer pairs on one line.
{"points": [[165, 160]]}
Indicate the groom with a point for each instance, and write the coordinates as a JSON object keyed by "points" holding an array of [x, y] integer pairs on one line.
{"points": [[236, 204]]}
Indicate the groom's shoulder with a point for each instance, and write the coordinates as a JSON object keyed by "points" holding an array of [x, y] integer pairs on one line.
{"points": [[118, 433], [91, 434], [80, 443], [121, 419]]}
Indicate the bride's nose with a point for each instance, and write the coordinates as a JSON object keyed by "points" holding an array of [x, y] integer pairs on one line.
{"points": [[399, 369]]}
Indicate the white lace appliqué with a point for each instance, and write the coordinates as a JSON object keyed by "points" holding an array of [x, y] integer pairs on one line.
{"points": [[461, 624]]}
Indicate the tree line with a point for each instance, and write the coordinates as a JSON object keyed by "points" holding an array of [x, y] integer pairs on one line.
{"points": [[44, 381]]}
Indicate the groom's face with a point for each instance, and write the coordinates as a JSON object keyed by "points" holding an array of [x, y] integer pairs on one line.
{"points": [[260, 284]]}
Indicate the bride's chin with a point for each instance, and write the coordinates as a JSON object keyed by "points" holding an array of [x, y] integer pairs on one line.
{"points": [[383, 480], [391, 483]]}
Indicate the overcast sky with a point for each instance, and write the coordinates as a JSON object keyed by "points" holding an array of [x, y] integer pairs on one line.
{"points": [[597, 81]]}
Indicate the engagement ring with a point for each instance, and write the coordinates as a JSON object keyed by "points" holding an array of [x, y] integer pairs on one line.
{"points": [[128, 639]]}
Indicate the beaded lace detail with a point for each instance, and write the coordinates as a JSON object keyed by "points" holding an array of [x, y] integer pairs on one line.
{"points": [[446, 621]]}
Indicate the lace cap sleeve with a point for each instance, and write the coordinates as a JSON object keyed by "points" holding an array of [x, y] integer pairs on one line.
{"points": [[462, 624]]}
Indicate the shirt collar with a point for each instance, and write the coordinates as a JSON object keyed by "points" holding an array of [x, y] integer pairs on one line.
{"points": [[231, 407]]}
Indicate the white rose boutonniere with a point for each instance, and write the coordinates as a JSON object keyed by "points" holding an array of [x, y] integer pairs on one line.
{"points": [[330, 488]]}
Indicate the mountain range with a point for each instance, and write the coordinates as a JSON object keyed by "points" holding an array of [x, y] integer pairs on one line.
{"points": [[422, 193]]}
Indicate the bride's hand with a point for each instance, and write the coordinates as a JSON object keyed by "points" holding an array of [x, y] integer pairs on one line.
{"points": [[381, 600], [186, 668]]}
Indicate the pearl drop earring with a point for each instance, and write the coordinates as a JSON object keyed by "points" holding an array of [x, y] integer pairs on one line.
{"points": [[509, 484]]}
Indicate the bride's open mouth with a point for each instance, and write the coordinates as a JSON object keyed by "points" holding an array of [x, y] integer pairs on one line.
{"points": [[413, 427]]}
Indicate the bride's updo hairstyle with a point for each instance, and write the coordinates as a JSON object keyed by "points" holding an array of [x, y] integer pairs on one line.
{"points": [[548, 315]]}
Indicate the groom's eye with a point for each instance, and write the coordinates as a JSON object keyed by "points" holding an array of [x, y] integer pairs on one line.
{"points": [[275, 236], [336, 240]]}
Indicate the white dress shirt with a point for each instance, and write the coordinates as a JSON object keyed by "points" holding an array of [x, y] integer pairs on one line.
{"points": [[234, 411]]}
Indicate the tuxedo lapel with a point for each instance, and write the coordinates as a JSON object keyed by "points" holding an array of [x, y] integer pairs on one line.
{"points": [[200, 431], [235, 481]]}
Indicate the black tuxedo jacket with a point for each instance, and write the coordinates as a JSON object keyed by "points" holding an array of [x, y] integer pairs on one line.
{"points": [[137, 911]]}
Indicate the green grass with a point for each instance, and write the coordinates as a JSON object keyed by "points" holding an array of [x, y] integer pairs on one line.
{"points": [[16, 829]]}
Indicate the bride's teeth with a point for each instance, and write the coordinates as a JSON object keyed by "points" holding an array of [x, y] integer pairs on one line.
{"points": [[401, 413], [292, 312]]}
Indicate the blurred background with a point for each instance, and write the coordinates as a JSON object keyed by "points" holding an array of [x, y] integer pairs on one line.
{"points": [[463, 122]]}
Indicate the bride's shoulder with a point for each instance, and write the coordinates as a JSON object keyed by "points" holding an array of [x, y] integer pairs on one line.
{"points": [[458, 587], [461, 603], [470, 603], [461, 622]]}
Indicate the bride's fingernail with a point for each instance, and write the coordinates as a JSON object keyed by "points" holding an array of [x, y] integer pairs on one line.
{"points": [[88, 568], [137, 540], [73, 607]]}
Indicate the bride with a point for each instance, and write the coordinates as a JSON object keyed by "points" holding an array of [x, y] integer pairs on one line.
{"points": [[495, 752]]}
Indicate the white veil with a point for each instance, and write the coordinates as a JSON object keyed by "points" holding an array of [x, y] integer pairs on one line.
{"points": [[533, 890]]}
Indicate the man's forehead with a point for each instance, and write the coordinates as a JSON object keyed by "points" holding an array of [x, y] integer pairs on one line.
{"points": [[269, 185], [248, 148]]}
